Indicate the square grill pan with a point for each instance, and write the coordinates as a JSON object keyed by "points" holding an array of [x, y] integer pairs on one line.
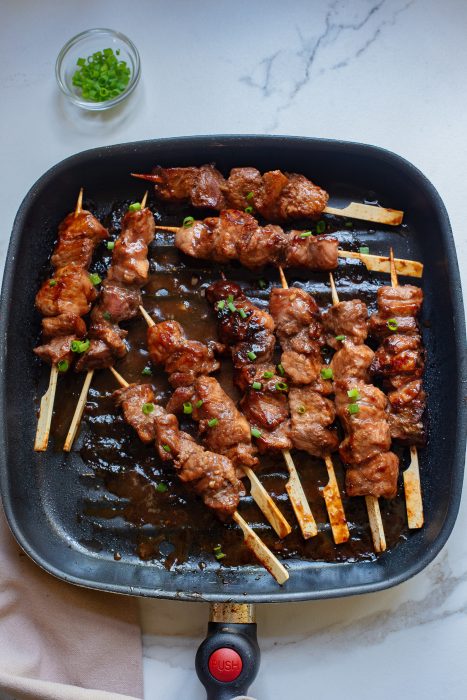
{"points": [[43, 492]]}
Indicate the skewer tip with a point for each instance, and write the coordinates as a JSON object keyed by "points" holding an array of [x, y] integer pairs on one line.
{"points": [[119, 377], [146, 316], [283, 278], [392, 264], [144, 200], [79, 203], [334, 294], [151, 178]]}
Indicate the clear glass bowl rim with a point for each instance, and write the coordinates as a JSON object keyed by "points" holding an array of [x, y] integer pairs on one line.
{"points": [[106, 104]]}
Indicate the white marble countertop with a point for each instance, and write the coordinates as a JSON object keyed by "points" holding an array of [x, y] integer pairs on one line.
{"points": [[390, 73]]}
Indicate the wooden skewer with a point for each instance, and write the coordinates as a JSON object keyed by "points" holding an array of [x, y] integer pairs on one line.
{"points": [[374, 263], [355, 210], [259, 494], [299, 500], [47, 402], [372, 503], [78, 414], [332, 497], [252, 541], [411, 476]]}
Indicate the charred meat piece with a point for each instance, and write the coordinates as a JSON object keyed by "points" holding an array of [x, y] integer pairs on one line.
{"points": [[132, 399], [311, 417], [56, 350], [312, 252], [376, 477], [399, 355], [352, 361], [348, 318], [64, 324], [69, 292], [222, 427]]}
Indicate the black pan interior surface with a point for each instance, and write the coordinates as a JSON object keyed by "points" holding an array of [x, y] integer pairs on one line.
{"points": [[93, 517]]}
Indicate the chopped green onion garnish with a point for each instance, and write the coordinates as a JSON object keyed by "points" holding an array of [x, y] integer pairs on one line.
{"points": [[52, 283], [188, 221], [147, 372], [301, 410], [353, 395], [231, 306], [199, 403], [257, 385], [242, 313], [392, 324], [256, 433], [187, 408], [95, 278], [166, 448], [281, 386], [248, 210], [110, 245], [230, 299], [217, 548], [106, 315], [213, 422], [251, 355], [219, 555], [321, 227], [340, 337], [281, 369], [136, 206], [327, 373], [306, 234], [220, 304], [348, 224], [162, 488], [102, 76], [262, 284], [147, 408], [353, 408], [364, 249], [63, 365], [80, 345], [250, 196], [268, 375]]}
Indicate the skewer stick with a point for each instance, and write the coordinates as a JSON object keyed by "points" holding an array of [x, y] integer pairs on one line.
{"points": [[45, 413], [78, 414], [374, 263], [144, 200], [259, 494], [79, 203], [355, 210], [372, 503], [411, 476], [332, 497], [299, 500], [252, 541]]}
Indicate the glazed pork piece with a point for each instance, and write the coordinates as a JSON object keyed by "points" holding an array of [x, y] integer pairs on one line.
{"points": [[236, 235], [312, 416], [276, 196], [210, 475], [348, 319]]}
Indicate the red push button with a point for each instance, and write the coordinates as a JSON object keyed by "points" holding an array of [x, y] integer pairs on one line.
{"points": [[225, 664]]}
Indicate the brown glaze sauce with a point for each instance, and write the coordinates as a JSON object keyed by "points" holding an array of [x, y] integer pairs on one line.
{"points": [[171, 525]]}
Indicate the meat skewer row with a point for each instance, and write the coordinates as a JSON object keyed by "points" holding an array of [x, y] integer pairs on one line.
{"points": [[63, 300], [399, 360], [300, 331], [372, 469], [118, 301], [236, 235], [224, 429], [248, 331], [276, 196], [211, 476]]}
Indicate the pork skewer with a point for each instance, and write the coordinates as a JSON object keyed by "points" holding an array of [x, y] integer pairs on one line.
{"points": [[276, 196], [299, 330], [63, 300], [238, 444], [355, 365], [236, 235], [400, 361], [200, 467], [118, 301], [249, 332]]}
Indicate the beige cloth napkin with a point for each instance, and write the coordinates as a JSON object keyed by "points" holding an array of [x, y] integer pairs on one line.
{"points": [[62, 642]]}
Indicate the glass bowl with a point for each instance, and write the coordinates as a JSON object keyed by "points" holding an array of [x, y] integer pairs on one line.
{"points": [[84, 45]]}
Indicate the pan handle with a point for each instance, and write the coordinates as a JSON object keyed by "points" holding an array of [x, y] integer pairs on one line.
{"points": [[227, 662]]}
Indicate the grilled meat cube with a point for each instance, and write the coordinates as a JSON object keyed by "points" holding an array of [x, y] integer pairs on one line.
{"points": [[228, 231], [82, 225], [71, 292], [312, 252], [132, 399], [202, 186], [300, 198], [244, 186], [73, 250], [404, 300], [379, 329], [261, 246], [407, 406], [348, 318], [376, 477], [231, 435], [311, 415], [99, 356], [197, 240], [64, 324], [267, 408], [352, 361], [118, 301], [399, 355], [292, 310], [130, 263], [56, 349], [367, 431]]}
